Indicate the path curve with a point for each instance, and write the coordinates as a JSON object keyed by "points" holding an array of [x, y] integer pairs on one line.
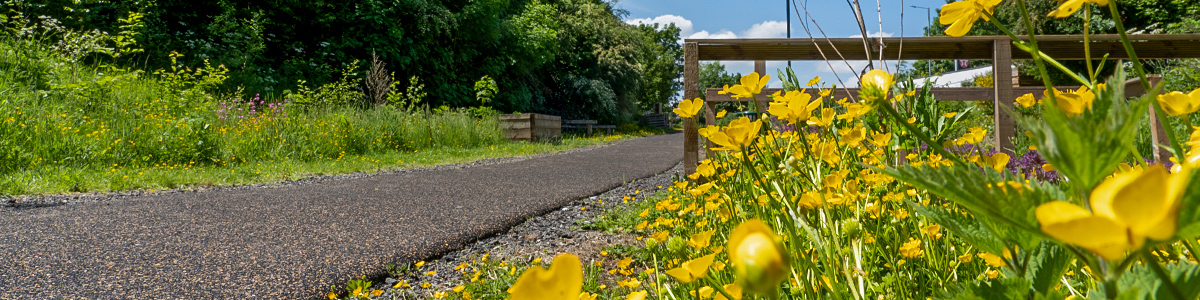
{"points": [[294, 242]]}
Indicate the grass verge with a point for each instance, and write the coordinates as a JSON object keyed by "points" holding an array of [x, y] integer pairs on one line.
{"points": [[53, 180]]}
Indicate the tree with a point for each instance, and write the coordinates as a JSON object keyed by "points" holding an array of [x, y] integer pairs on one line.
{"points": [[663, 65], [713, 75]]}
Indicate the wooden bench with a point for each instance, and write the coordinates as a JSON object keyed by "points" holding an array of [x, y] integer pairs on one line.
{"points": [[587, 124], [577, 124], [608, 129]]}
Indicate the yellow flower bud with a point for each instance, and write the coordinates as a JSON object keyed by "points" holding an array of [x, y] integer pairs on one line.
{"points": [[758, 258]]}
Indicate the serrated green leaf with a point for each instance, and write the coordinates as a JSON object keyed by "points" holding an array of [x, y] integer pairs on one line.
{"points": [[1047, 263], [965, 227], [1141, 283], [1008, 211], [1087, 148], [1003, 289]]}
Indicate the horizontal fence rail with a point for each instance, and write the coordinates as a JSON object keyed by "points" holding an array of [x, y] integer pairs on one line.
{"points": [[995, 48], [1060, 47]]}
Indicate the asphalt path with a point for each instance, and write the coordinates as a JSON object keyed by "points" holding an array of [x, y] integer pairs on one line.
{"points": [[293, 242]]}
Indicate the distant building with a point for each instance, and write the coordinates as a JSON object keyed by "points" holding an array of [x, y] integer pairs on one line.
{"points": [[957, 78]]}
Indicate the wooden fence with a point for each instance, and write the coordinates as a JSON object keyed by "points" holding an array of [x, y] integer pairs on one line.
{"points": [[996, 48], [531, 127]]}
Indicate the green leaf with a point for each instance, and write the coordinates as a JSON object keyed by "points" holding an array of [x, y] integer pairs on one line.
{"points": [[963, 226], [1087, 148], [1003, 289], [1047, 263], [1140, 282], [1005, 211]]}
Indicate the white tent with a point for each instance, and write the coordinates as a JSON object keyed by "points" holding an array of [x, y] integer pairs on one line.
{"points": [[956, 78]]}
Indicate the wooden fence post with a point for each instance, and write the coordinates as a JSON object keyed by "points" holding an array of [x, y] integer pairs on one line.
{"points": [[1158, 134], [760, 66], [1005, 127], [710, 119], [691, 90]]}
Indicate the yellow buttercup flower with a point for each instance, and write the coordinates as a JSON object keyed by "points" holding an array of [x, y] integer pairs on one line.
{"points": [[564, 280], [688, 109], [758, 258], [1192, 156], [881, 139], [993, 260], [1177, 103], [973, 136], [1069, 7], [997, 161], [1074, 102], [912, 248], [962, 15], [734, 291], [700, 240], [826, 118], [794, 107], [750, 85], [692, 269], [1126, 209], [853, 110], [1027, 100], [814, 81], [707, 131], [721, 114], [587, 296], [966, 258], [934, 231], [705, 292], [638, 295], [852, 136], [740, 133]]}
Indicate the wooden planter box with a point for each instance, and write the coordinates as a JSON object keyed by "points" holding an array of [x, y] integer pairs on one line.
{"points": [[531, 127]]}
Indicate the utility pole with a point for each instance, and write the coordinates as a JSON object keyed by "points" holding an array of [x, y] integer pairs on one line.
{"points": [[929, 22], [788, 9]]}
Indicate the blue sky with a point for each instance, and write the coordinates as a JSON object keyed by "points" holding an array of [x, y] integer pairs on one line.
{"points": [[767, 19]]}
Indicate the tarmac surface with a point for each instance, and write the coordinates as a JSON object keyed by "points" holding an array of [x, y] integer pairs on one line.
{"points": [[294, 242]]}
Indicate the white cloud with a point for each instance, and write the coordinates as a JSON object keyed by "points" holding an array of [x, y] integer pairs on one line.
{"points": [[704, 34], [875, 34], [766, 29], [685, 25]]}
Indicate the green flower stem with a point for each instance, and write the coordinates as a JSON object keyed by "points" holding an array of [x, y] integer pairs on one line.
{"points": [[1141, 72], [1087, 42], [920, 135], [717, 286], [1162, 274], [1031, 47], [1138, 156], [1037, 59], [1169, 127], [1190, 244], [1137, 64], [1110, 288]]}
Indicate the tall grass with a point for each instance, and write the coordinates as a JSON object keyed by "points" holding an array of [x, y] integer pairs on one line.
{"points": [[56, 113]]}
